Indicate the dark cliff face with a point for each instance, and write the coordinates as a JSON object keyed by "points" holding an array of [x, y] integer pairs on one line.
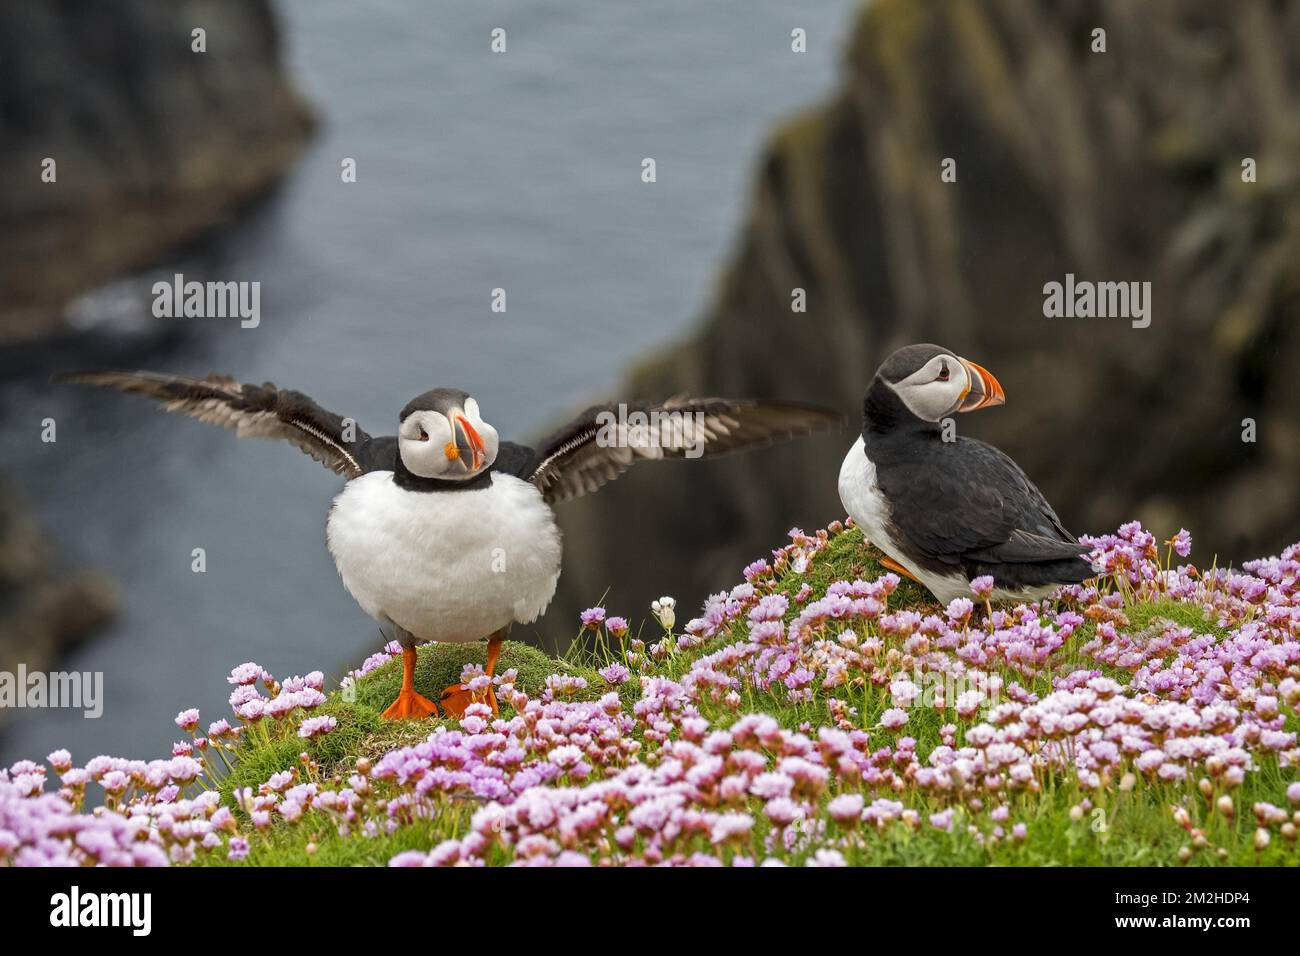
{"points": [[1116, 166], [43, 607], [154, 143]]}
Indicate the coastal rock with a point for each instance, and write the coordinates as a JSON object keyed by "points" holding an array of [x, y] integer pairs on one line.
{"points": [[44, 608], [153, 143], [1125, 165]]}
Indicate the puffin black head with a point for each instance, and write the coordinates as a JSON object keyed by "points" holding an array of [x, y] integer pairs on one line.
{"points": [[929, 383], [443, 436]]}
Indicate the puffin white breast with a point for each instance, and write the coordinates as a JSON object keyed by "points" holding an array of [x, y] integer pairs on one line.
{"points": [[867, 505], [446, 565]]}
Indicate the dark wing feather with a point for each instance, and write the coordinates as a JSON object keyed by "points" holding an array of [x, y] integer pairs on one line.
{"points": [[969, 501], [253, 411], [596, 447]]}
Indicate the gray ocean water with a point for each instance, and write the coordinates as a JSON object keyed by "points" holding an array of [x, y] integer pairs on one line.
{"points": [[475, 171]]}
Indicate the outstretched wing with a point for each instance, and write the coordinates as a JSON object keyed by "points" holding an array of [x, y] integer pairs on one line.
{"points": [[252, 411], [601, 444]]}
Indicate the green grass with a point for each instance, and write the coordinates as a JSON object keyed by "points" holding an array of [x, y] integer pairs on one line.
{"points": [[317, 843], [361, 732], [847, 557], [1125, 828]]}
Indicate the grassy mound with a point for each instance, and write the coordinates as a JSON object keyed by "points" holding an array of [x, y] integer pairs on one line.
{"points": [[1142, 820], [362, 732]]}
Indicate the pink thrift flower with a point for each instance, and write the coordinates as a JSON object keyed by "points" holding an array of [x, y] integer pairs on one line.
{"points": [[828, 858], [894, 719], [245, 674], [942, 820], [960, 609], [731, 826], [61, 761], [904, 692], [846, 808], [615, 674], [316, 726], [782, 811]]}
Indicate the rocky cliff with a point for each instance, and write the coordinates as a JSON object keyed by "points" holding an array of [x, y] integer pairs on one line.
{"points": [[152, 142], [43, 607], [1123, 165]]}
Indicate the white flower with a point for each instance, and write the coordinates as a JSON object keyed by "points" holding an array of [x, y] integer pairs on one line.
{"points": [[894, 719], [665, 612], [565, 757], [904, 692]]}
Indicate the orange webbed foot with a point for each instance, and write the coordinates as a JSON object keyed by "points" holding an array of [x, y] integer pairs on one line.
{"points": [[457, 698], [897, 568], [410, 706]]}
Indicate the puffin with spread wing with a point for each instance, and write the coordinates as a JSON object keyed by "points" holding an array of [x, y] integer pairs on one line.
{"points": [[444, 530]]}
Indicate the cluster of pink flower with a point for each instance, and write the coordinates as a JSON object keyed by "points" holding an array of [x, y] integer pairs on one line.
{"points": [[1198, 709], [753, 793], [696, 772], [145, 818]]}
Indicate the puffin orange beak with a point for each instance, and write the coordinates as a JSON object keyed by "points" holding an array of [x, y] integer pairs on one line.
{"points": [[469, 443], [984, 390]]}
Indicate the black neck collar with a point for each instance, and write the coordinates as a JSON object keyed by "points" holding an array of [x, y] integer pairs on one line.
{"points": [[408, 480]]}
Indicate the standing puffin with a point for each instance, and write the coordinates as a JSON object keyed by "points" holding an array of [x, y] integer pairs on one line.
{"points": [[946, 512], [445, 531]]}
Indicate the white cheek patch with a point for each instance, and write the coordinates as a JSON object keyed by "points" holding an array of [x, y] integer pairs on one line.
{"points": [[928, 398], [417, 458], [426, 458], [922, 402]]}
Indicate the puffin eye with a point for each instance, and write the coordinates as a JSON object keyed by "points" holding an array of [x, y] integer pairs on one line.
{"points": [[424, 436], [943, 373]]}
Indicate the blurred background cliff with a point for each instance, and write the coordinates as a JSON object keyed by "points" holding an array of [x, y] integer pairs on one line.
{"points": [[1119, 166], [776, 171]]}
